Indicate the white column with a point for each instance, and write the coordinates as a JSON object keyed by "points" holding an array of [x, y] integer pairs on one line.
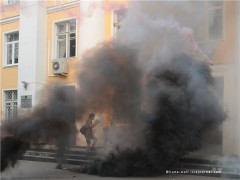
{"points": [[92, 28], [32, 49]]}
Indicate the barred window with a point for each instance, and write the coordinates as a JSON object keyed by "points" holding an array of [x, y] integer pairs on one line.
{"points": [[10, 104]]}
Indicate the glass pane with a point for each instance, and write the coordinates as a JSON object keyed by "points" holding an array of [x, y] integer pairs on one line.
{"points": [[72, 47], [61, 37], [216, 27], [13, 37], [16, 36], [15, 95], [61, 27], [9, 37], [72, 25], [72, 36], [7, 96], [62, 49], [9, 54], [16, 53]]}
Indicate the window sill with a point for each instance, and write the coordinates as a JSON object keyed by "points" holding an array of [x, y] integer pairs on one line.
{"points": [[9, 66], [68, 58], [72, 58], [210, 40]]}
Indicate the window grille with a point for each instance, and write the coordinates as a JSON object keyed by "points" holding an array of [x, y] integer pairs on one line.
{"points": [[10, 98]]}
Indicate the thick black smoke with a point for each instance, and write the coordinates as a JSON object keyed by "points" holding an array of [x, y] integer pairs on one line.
{"points": [[11, 149], [169, 106], [182, 106], [52, 122], [108, 74]]}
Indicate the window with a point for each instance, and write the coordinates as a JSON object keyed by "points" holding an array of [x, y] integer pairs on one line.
{"points": [[11, 48], [215, 20], [66, 39], [213, 28], [118, 17], [10, 104], [8, 2]]}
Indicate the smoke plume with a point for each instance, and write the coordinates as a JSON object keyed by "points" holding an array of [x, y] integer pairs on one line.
{"points": [[156, 83], [180, 105]]}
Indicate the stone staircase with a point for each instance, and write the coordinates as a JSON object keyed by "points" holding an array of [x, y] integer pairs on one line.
{"points": [[214, 166], [73, 156]]}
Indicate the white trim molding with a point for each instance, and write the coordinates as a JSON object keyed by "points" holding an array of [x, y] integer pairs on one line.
{"points": [[63, 6], [9, 20]]}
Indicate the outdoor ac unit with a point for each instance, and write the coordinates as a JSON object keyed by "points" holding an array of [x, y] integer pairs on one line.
{"points": [[59, 66]]}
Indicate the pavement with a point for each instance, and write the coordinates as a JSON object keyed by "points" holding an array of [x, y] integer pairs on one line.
{"points": [[31, 170]]}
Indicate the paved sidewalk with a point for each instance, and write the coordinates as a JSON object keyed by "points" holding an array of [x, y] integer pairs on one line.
{"points": [[31, 170]]}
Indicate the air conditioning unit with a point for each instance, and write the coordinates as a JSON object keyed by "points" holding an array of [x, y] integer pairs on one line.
{"points": [[59, 66]]}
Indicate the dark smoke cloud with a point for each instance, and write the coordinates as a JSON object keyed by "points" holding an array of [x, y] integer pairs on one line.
{"points": [[181, 106], [11, 148], [151, 83], [49, 123], [108, 70]]}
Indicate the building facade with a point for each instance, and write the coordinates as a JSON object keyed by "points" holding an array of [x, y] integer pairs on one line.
{"points": [[41, 41]]}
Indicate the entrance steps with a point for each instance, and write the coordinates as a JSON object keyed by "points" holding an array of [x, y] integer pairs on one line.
{"points": [[73, 156], [215, 166]]}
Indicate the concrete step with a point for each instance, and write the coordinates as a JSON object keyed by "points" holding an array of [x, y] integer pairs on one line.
{"points": [[73, 157], [189, 165], [68, 155]]}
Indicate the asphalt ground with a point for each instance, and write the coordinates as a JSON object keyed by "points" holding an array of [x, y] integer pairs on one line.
{"points": [[31, 170]]}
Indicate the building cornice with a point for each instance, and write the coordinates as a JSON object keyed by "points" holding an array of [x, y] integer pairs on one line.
{"points": [[9, 20], [63, 6]]}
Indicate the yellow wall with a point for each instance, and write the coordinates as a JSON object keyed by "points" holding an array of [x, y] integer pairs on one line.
{"points": [[108, 26], [52, 18], [57, 2], [9, 75], [7, 11]]}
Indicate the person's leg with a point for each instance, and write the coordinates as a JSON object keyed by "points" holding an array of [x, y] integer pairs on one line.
{"points": [[88, 140], [94, 141]]}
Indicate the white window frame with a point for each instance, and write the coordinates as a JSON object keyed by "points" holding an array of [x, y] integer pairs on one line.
{"points": [[5, 43], [55, 38], [4, 102]]}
